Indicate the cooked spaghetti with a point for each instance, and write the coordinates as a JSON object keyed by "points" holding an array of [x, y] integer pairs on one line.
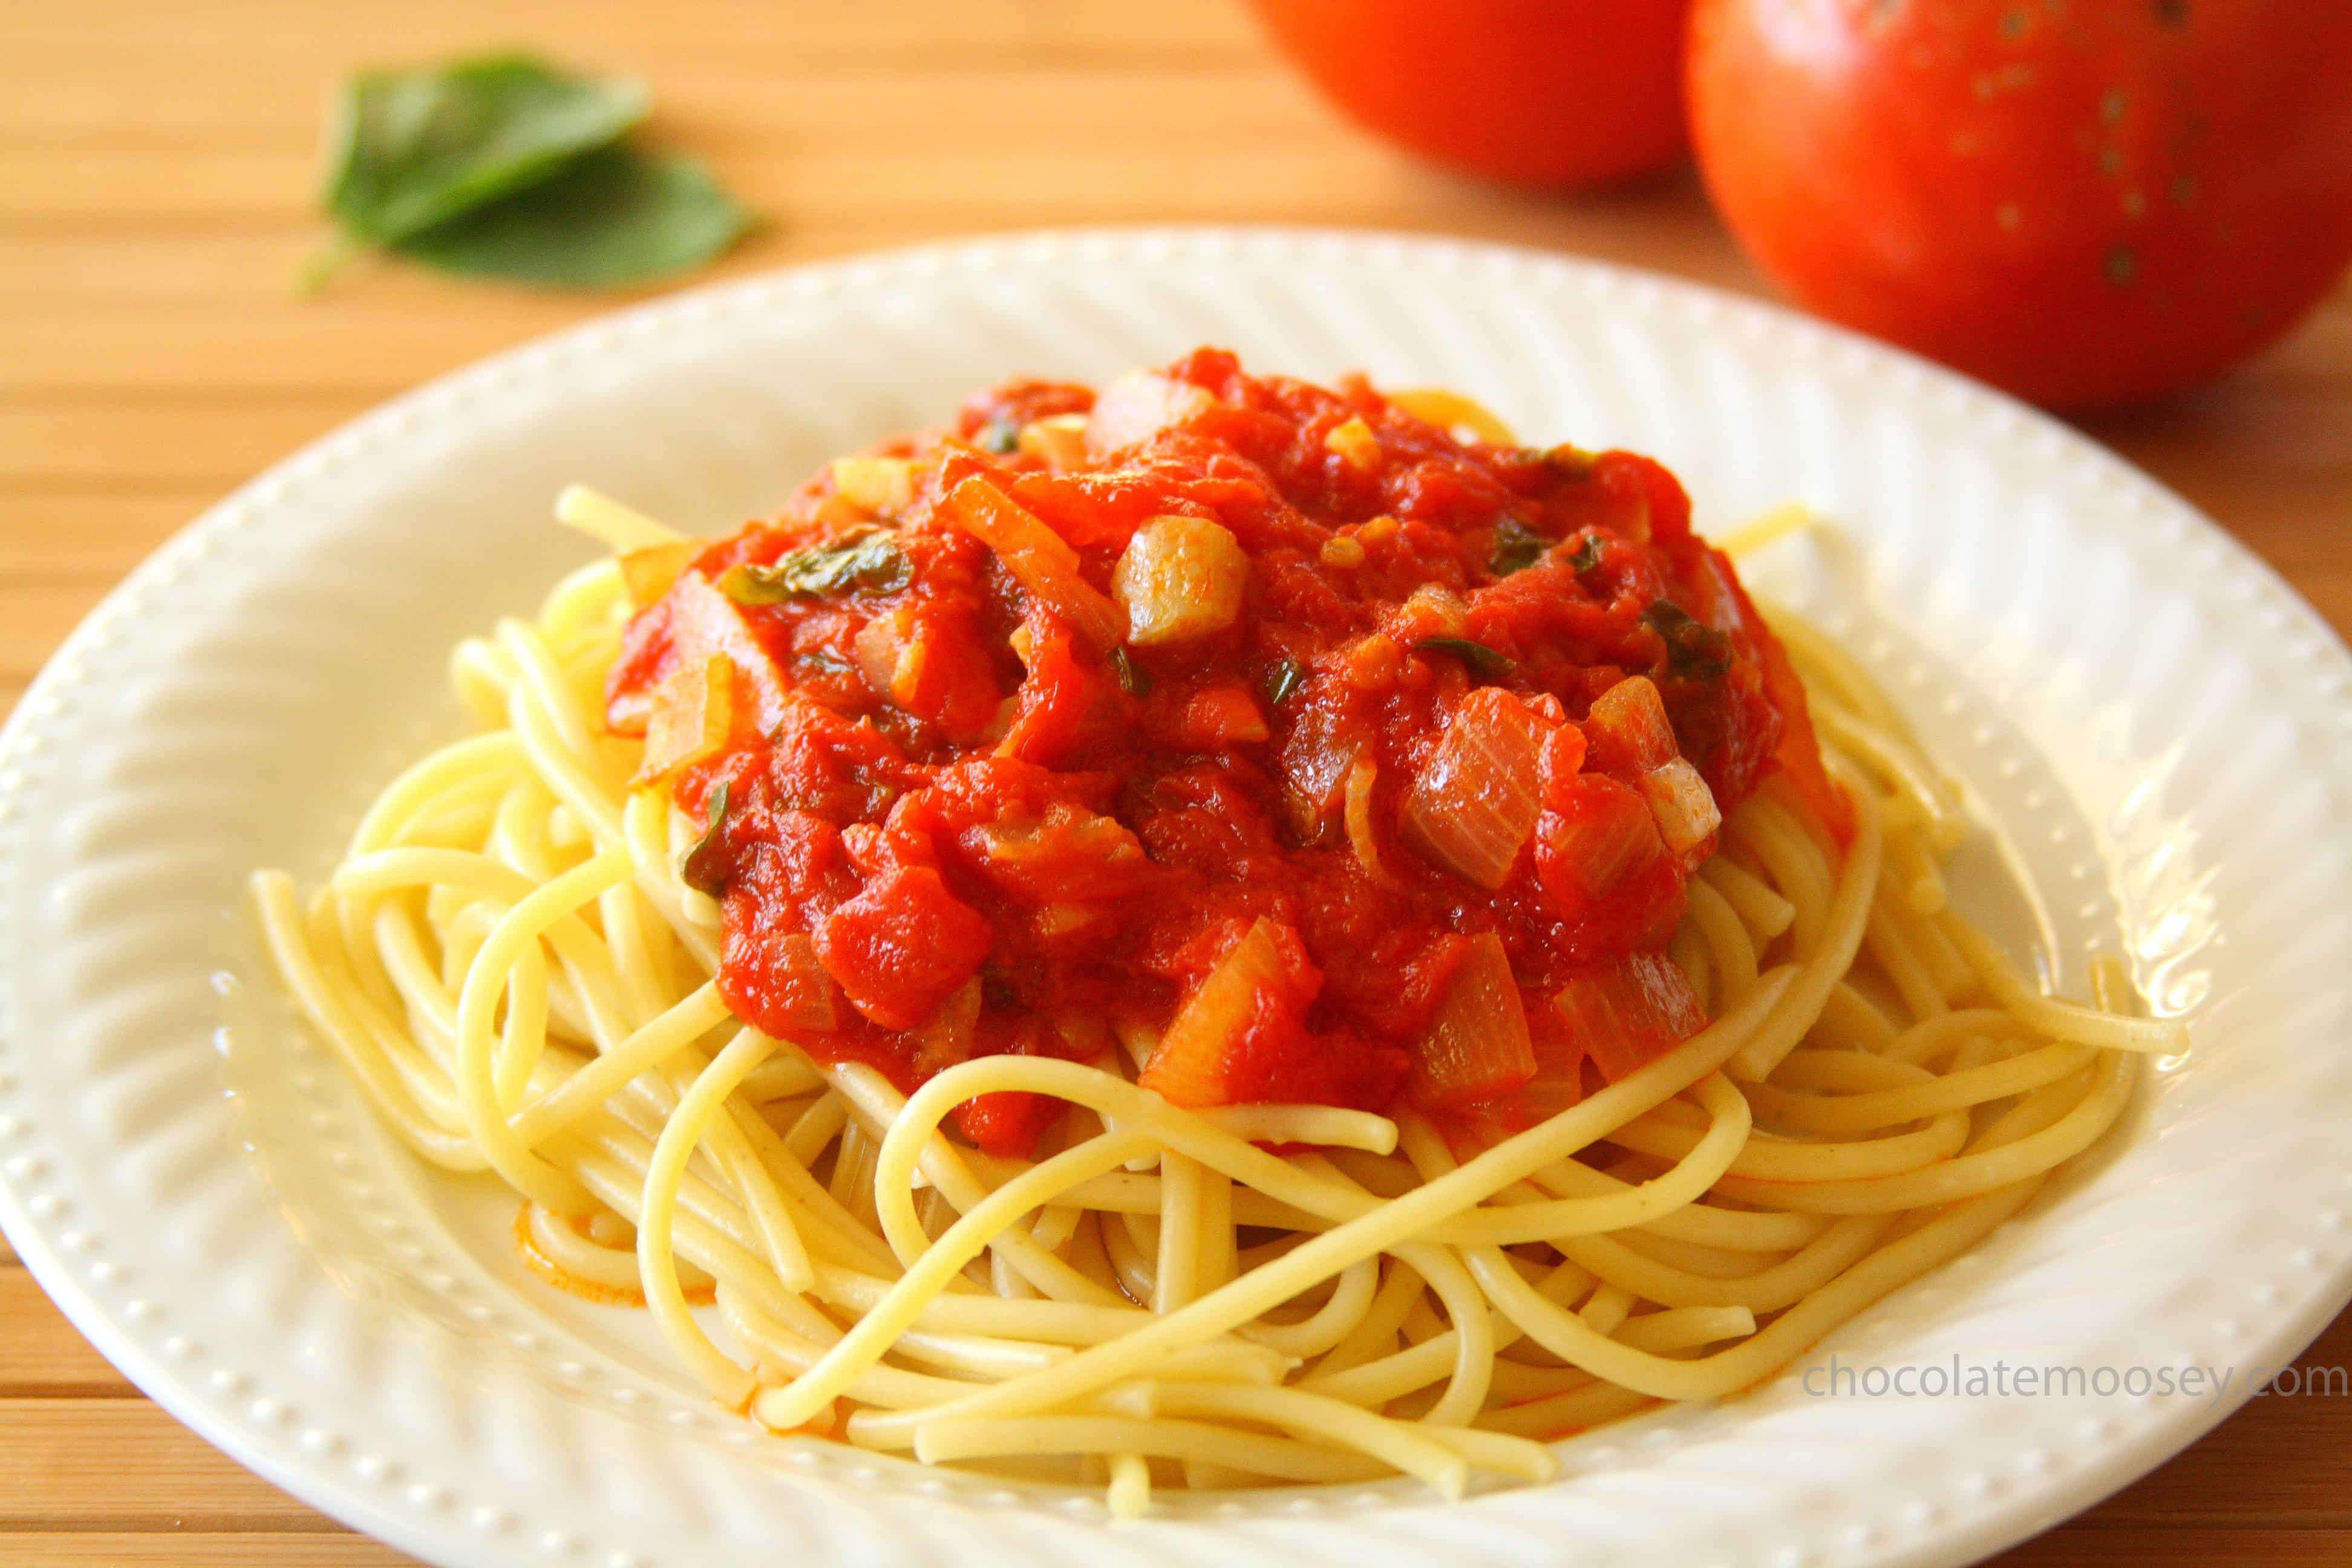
{"points": [[1229, 932]]}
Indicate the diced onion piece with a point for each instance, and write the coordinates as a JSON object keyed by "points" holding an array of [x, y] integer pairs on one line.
{"points": [[1058, 440], [1627, 733], [1452, 412], [1135, 407], [946, 1037], [1190, 1068], [693, 713], [1476, 799], [1039, 559], [1432, 610], [606, 520], [1343, 551], [1682, 804], [1477, 1044], [1361, 836], [1314, 759], [651, 572], [704, 621], [1179, 579], [883, 487], [1356, 445], [886, 657], [1085, 1035], [1598, 832], [1630, 1012], [803, 996]]}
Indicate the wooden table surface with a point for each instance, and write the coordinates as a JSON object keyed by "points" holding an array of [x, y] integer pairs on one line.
{"points": [[156, 165]]}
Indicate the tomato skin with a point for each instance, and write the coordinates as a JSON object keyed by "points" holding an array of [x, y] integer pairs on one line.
{"points": [[1530, 93], [2090, 204]]}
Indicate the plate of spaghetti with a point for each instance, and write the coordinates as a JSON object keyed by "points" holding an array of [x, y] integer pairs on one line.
{"points": [[1441, 931]]}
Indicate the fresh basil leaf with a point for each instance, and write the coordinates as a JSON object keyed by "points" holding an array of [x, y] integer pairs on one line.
{"points": [[412, 149], [703, 868], [1484, 661], [1695, 650], [1002, 437], [612, 217], [1517, 547], [1284, 677], [1586, 555], [823, 661], [871, 562], [1133, 678]]}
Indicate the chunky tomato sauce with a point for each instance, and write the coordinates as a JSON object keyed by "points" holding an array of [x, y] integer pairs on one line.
{"points": [[1347, 760]]}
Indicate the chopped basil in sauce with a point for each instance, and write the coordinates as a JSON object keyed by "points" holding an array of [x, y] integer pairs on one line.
{"points": [[824, 661], [1133, 679], [1001, 437], [1283, 677], [1695, 650], [1517, 547], [701, 869], [872, 562], [1484, 661], [1587, 554]]}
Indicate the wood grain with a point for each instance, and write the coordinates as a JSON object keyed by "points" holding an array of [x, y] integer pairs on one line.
{"points": [[156, 169]]}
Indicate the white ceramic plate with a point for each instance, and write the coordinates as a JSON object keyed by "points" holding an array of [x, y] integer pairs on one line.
{"points": [[2154, 728]]}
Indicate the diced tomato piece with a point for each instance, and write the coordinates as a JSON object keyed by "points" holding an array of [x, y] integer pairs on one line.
{"points": [[1219, 716], [1799, 748], [1066, 853], [1626, 1015], [1337, 1066], [1058, 697], [1655, 507], [1007, 1123], [775, 983], [902, 944]]}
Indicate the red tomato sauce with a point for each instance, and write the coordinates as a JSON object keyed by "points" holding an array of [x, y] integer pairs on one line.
{"points": [[954, 823]]}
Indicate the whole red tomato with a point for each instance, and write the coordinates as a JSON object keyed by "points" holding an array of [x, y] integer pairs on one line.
{"points": [[1552, 93], [2086, 202]]}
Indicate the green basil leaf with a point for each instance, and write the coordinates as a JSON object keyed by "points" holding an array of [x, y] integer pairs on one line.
{"points": [[1002, 437], [1695, 650], [609, 217], [866, 560], [412, 149], [1133, 679], [823, 661], [870, 561], [1484, 661], [1281, 677], [1517, 547], [703, 868], [1587, 554]]}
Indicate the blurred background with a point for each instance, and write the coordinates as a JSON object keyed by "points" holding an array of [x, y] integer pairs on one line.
{"points": [[160, 173]]}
